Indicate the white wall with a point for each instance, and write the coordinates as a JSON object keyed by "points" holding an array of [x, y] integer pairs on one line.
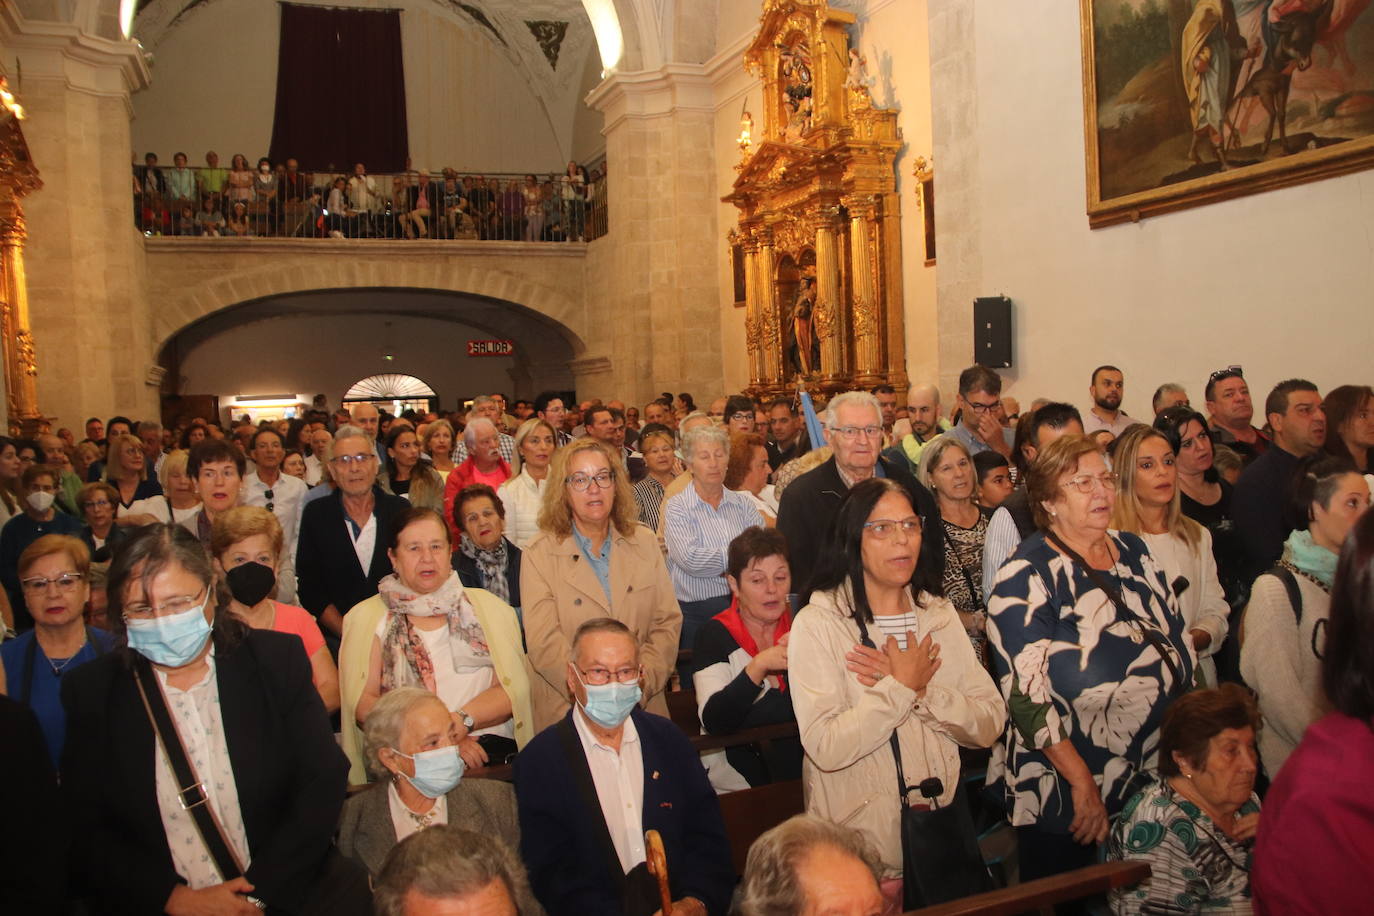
{"points": [[468, 106], [892, 34], [1282, 282], [329, 354]]}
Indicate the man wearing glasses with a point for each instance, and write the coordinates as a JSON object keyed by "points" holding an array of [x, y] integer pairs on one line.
{"points": [[854, 424], [589, 786], [342, 552], [980, 402], [1229, 412]]}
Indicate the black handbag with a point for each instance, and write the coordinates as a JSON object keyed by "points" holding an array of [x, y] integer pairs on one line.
{"points": [[940, 856]]}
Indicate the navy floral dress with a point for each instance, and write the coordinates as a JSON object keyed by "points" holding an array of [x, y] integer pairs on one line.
{"points": [[1072, 666]]}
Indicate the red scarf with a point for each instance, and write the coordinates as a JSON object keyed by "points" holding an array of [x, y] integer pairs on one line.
{"points": [[734, 624]]}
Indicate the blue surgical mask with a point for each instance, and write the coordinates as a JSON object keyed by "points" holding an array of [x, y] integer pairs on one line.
{"points": [[171, 641], [437, 772], [608, 705]]}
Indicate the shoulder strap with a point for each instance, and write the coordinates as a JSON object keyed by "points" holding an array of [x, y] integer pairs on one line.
{"points": [[191, 791], [1147, 629], [1290, 584]]}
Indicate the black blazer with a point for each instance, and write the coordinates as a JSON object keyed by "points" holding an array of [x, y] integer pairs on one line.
{"points": [[327, 570], [471, 576], [810, 503], [567, 849], [34, 842], [290, 774]]}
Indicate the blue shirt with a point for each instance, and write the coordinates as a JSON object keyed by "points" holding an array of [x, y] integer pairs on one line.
{"points": [[972, 442], [42, 692], [698, 536], [601, 564]]}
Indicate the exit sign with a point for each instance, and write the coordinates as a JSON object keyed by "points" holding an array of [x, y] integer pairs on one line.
{"points": [[491, 348]]}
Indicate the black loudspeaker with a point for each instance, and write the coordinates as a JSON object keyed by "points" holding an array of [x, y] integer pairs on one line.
{"points": [[992, 332]]}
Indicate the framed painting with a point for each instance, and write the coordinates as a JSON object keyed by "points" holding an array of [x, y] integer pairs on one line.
{"points": [[1189, 102]]}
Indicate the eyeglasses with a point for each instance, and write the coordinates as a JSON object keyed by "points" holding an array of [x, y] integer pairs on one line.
{"points": [[171, 607], [98, 504], [580, 482], [854, 432], [741, 415], [600, 676], [347, 460], [64, 582], [981, 408], [1084, 483], [885, 528]]}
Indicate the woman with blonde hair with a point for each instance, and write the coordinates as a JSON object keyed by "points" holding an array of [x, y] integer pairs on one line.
{"points": [[592, 558], [1148, 503], [437, 443], [177, 502], [126, 469], [522, 494]]}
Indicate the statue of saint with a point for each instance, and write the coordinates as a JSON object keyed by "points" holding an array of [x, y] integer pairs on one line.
{"points": [[805, 352]]}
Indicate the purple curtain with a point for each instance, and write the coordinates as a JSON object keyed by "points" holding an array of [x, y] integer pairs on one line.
{"points": [[341, 94]]}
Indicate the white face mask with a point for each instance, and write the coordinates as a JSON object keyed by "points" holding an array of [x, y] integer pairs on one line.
{"points": [[40, 501]]}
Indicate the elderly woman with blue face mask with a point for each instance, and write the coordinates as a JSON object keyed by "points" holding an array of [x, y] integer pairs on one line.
{"points": [[412, 750], [199, 699]]}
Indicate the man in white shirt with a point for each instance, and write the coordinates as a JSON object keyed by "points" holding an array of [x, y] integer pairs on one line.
{"points": [[590, 786], [281, 494], [315, 470]]}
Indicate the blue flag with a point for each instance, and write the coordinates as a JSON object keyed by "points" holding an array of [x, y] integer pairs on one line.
{"points": [[813, 424]]}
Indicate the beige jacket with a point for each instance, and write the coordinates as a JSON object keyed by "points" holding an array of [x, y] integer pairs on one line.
{"points": [[559, 590], [849, 775]]}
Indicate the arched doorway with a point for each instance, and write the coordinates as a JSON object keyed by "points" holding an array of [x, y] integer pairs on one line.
{"points": [[393, 392]]}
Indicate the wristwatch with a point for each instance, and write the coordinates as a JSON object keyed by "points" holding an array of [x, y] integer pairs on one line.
{"points": [[468, 720]]}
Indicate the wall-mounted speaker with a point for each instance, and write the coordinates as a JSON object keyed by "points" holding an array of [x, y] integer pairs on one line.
{"points": [[992, 332]]}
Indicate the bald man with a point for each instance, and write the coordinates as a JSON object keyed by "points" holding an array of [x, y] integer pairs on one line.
{"points": [[367, 418], [923, 423]]}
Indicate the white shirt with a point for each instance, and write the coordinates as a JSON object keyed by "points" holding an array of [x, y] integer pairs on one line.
{"points": [[521, 496], [619, 781], [314, 470], [405, 821], [458, 676], [288, 497], [364, 542], [196, 713], [160, 508], [896, 626]]}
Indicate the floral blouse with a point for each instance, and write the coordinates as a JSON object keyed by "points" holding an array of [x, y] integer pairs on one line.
{"points": [[1194, 866], [1072, 666]]}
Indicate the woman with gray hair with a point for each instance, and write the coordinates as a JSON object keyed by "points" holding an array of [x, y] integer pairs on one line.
{"points": [[411, 746], [698, 525], [484, 464], [808, 864]]}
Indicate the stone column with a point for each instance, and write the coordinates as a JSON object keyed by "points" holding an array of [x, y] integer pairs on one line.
{"points": [[868, 364], [21, 370], [828, 319], [653, 303]]}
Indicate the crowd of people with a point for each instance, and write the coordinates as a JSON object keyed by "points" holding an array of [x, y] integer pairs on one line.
{"points": [[281, 200], [423, 661]]}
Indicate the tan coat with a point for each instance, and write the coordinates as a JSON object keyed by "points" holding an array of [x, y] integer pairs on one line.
{"points": [[559, 590], [849, 775]]}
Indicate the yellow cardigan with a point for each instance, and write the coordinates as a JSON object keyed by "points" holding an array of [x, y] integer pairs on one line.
{"points": [[502, 629]]}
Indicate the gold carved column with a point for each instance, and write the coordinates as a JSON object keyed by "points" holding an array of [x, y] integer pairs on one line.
{"points": [[828, 319], [770, 323], [863, 241], [751, 305], [17, 178]]}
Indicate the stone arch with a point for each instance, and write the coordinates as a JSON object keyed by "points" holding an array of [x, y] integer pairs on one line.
{"points": [[177, 306]]}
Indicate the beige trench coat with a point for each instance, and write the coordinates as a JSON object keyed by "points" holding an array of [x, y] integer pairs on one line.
{"points": [[849, 775], [559, 590]]}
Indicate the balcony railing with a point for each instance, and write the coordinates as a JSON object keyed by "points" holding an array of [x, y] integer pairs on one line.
{"points": [[206, 202]]}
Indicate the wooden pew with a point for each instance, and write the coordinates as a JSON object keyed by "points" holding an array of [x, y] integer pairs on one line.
{"points": [[749, 812], [1041, 895]]}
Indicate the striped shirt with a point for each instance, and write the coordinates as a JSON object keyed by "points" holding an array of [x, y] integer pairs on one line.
{"points": [[896, 626], [649, 499], [506, 445], [698, 537]]}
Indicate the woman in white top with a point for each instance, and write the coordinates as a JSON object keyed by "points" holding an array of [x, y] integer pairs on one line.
{"points": [[523, 492], [10, 468], [433, 635], [1148, 504], [178, 502], [922, 680]]}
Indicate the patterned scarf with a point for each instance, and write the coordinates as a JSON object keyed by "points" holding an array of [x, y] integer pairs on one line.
{"points": [[491, 564], [1310, 558], [405, 660]]}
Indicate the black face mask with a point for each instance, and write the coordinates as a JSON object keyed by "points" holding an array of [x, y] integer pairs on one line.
{"points": [[249, 583]]}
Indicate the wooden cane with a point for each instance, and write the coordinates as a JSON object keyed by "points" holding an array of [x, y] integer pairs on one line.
{"points": [[657, 861]]}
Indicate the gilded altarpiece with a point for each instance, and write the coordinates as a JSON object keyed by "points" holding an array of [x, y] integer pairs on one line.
{"points": [[819, 214], [18, 178]]}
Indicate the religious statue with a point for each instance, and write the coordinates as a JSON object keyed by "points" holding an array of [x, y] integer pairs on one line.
{"points": [[858, 81], [795, 70], [805, 347]]}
